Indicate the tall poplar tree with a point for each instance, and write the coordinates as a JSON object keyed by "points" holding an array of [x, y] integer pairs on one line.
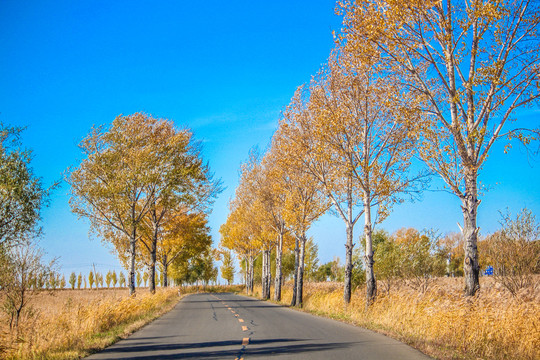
{"points": [[303, 204]]}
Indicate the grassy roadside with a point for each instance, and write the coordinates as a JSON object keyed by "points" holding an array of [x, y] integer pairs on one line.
{"points": [[440, 322], [77, 327], [212, 289]]}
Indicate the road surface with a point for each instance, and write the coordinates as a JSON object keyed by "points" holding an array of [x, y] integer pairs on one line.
{"points": [[228, 326]]}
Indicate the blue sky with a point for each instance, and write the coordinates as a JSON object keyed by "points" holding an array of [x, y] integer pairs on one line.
{"points": [[224, 69]]}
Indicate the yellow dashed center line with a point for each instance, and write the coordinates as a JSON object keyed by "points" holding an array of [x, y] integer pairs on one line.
{"points": [[245, 341], [244, 328], [240, 320]]}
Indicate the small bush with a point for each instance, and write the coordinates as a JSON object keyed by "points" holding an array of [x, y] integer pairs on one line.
{"points": [[514, 251]]}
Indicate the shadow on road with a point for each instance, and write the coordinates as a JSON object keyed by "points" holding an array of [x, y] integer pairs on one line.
{"points": [[185, 351]]}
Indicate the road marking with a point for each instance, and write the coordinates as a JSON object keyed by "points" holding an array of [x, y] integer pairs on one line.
{"points": [[236, 315], [245, 341], [244, 328], [241, 320], [239, 358]]}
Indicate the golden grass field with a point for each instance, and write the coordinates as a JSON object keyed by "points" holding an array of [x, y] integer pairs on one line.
{"points": [[441, 322], [69, 324]]}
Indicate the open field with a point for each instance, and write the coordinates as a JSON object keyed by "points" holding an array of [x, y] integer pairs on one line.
{"points": [[441, 322], [69, 324]]}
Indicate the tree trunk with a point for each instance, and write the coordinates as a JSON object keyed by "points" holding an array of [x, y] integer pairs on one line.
{"points": [[251, 273], [348, 264], [266, 275], [263, 275], [371, 284], [300, 284], [295, 279], [471, 267], [152, 285], [133, 243], [277, 281], [269, 274], [165, 271], [246, 275], [18, 315]]}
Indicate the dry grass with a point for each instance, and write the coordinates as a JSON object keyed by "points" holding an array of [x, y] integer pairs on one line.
{"points": [[70, 324], [212, 289], [442, 322]]}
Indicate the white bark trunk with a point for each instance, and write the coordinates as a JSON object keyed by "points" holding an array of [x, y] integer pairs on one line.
{"points": [[471, 267], [371, 284]]}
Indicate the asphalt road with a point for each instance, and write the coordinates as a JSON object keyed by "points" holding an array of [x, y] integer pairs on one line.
{"points": [[228, 326]]}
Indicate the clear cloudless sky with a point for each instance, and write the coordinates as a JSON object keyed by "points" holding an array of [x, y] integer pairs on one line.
{"points": [[223, 69]]}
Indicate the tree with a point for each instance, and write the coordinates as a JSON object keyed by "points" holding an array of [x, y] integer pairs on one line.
{"points": [[79, 281], [111, 186], [386, 256], [514, 251], [303, 201], [53, 280], [323, 272], [185, 235], [185, 184], [337, 271], [245, 231], [72, 280], [227, 267], [18, 267], [90, 279], [421, 258], [474, 64], [114, 278], [302, 139], [311, 259], [358, 275], [21, 193], [99, 280], [145, 277], [273, 196], [199, 268], [237, 235], [205, 270], [453, 246], [122, 279], [264, 217], [108, 278]]}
